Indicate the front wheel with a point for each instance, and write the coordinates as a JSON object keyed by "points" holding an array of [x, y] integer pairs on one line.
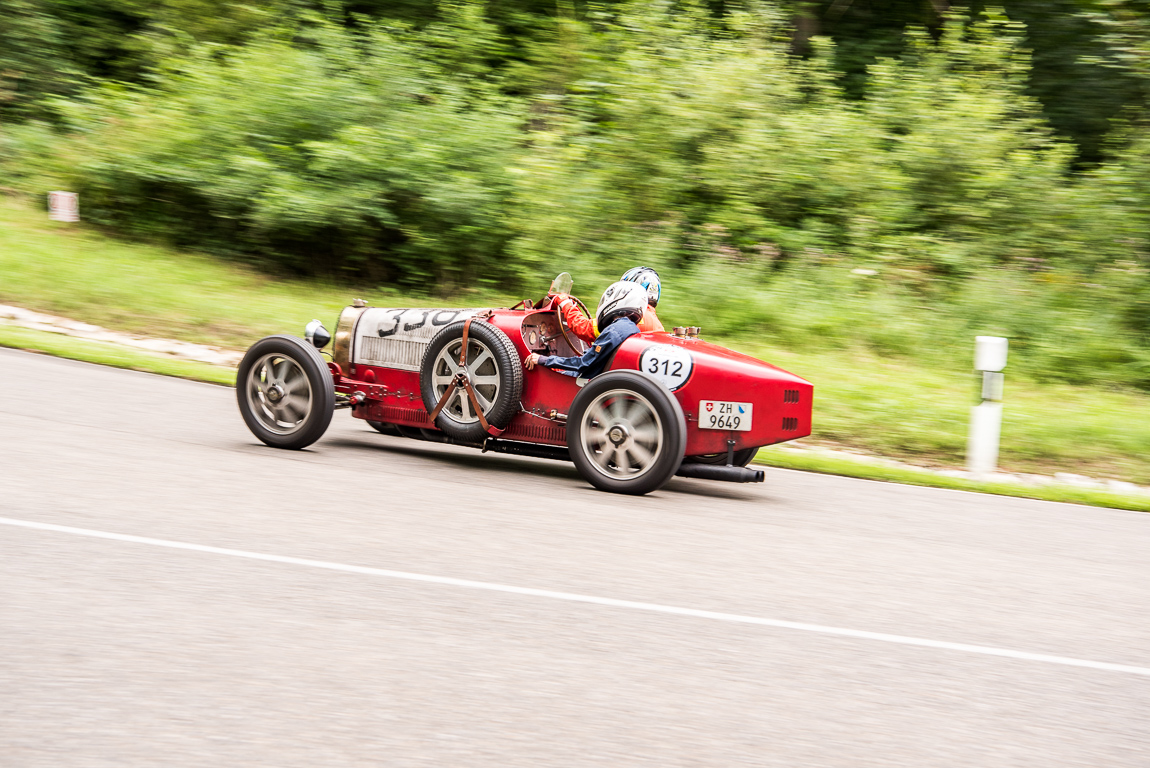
{"points": [[285, 392], [626, 433]]}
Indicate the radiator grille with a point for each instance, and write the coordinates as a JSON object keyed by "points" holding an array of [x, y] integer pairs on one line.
{"points": [[790, 395], [394, 353], [790, 424]]}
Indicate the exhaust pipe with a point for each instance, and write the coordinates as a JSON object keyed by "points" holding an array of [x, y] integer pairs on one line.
{"points": [[533, 450], [727, 474], [491, 445]]}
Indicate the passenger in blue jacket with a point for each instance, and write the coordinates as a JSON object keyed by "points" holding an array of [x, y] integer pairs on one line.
{"points": [[619, 312]]}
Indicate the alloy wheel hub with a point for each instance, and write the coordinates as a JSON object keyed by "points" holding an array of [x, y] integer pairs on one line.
{"points": [[618, 434]]}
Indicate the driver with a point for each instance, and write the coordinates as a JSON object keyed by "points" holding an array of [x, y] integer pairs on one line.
{"points": [[649, 279], [573, 316], [623, 304], [582, 326]]}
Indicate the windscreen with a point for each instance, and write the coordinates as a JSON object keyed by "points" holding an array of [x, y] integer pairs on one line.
{"points": [[563, 283]]}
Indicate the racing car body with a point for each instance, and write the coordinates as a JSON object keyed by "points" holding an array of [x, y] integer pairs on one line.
{"points": [[668, 402]]}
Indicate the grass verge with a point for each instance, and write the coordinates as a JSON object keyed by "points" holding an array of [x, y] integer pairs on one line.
{"points": [[833, 465], [113, 355], [889, 405], [123, 357]]}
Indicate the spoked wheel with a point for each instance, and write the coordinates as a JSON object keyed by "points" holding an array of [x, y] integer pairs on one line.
{"points": [[481, 371], [285, 392], [622, 434], [492, 366], [626, 433]]}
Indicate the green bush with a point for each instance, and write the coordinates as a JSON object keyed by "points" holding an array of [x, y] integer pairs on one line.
{"points": [[337, 152], [937, 206]]}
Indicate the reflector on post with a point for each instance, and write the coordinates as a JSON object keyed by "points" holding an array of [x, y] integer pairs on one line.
{"points": [[989, 353]]}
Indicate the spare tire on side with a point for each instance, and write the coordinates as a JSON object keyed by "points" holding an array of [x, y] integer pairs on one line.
{"points": [[495, 371], [285, 392], [626, 433]]}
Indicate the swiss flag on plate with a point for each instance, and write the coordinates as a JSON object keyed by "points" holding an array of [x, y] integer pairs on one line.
{"points": [[710, 406]]}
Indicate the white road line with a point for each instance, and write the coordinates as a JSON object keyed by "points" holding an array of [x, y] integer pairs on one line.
{"points": [[577, 598]]}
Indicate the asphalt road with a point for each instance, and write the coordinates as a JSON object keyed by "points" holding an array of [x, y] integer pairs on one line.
{"points": [[119, 652]]}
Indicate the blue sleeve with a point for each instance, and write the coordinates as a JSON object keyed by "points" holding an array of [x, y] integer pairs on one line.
{"points": [[573, 366], [589, 361]]}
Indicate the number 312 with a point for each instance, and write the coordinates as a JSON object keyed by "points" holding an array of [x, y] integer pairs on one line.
{"points": [[653, 367]]}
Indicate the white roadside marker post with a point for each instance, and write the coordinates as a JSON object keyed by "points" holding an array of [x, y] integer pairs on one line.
{"points": [[986, 417], [63, 206]]}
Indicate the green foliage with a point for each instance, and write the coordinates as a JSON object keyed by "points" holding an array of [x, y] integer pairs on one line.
{"points": [[901, 213], [342, 151], [32, 62], [1082, 72], [889, 378], [1079, 74], [125, 40]]}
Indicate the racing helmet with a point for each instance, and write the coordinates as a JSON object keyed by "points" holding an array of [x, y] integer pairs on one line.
{"points": [[649, 279], [621, 299]]}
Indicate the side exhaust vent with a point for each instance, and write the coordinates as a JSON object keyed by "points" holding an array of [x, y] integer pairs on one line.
{"points": [[790, 395], [790, 424]]}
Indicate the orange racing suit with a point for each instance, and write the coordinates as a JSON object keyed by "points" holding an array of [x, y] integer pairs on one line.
{"points": [[650, 321], [584, 328], [579, 323]]}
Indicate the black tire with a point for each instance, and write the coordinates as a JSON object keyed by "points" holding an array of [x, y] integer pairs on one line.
{"points": [[616, 396], [742, 458], [383, 428], [497, 379], [308, 408]]}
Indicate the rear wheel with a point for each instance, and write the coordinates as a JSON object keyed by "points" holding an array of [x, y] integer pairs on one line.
{"points": [[742, 458], [285, 392], [626, 433]]}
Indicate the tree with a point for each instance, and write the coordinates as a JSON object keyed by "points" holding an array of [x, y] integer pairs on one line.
{"points": [[32, 63]]}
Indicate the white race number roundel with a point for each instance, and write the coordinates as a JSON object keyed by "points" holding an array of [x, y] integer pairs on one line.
{"points": [[669, 364]]}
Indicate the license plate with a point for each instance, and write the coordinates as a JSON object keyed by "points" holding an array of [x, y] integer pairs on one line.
{"points": [[720, 414]]}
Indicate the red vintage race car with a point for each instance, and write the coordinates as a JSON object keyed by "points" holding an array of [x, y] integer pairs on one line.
{"points": [[668, 403]]}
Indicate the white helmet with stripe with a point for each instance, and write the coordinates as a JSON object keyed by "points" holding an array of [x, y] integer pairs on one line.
{"points": [[649, 279], [621, 299]]}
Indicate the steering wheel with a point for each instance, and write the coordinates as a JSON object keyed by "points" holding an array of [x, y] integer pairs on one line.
{"points": [[577, 344]]}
